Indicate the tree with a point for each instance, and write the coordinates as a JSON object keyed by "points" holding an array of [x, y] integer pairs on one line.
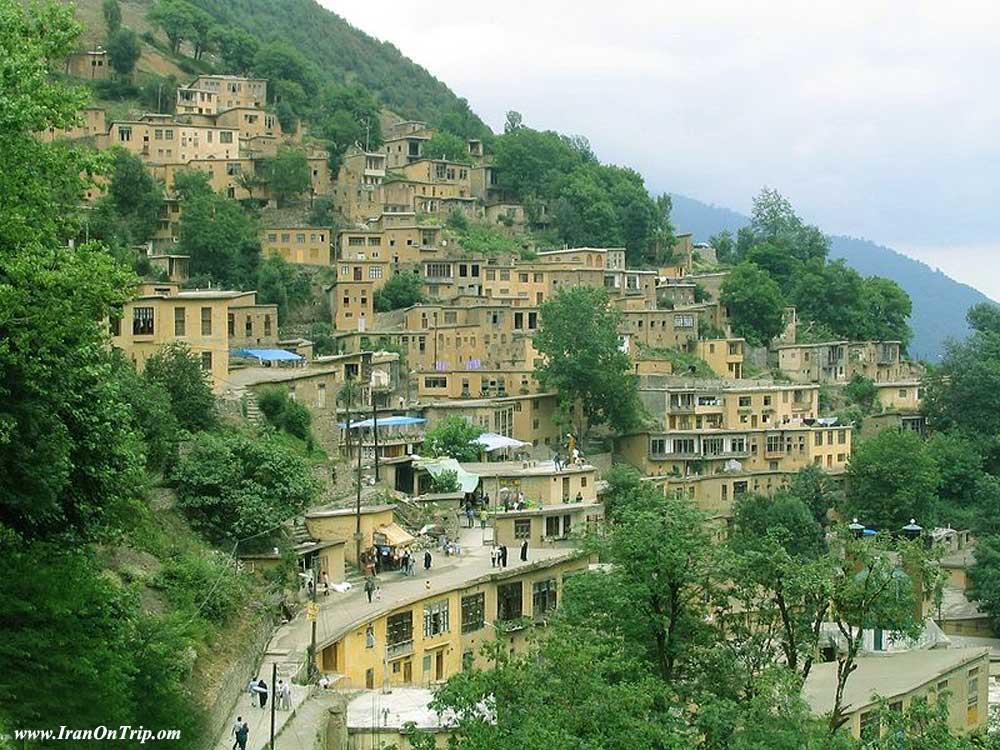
{"points": [[862, 392], [401, 290], [814, 487], [581, 358], [174, 18], [774, 221], [284, 413], [236, 47], [348, 115], [221, 240], [892, 478], [287, 173], [984, 578], [152, 414], [234, 487], [756, 308], [725, 246], [283, 284], [453, 436], [282, 64], [112, 13], [446, 482], [177, 370], [124, 49], [514, 121], [201, 26], [447, 146], [884, 311], [786, 516]]}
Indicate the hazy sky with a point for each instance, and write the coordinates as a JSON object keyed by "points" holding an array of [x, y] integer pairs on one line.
{"points": [[877, 119]]}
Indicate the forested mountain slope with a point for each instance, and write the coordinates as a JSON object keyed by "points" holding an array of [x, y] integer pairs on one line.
{"points": [[939, 302]]}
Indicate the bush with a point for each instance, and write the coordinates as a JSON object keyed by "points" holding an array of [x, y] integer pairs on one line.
{"points": [[233, 487], [446, 481], [284, 413], [453, 437], [402, 290], [179, 372], [208, 586]]}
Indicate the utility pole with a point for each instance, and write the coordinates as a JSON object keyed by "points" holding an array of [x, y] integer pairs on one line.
{"points": [[313, 606], [375, 431], [274, 693], [357, 520]]}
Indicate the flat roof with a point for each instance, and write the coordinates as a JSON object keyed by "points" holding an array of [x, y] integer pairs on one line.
{"points": [[340, 512], [518, 469], [889, 676], [373, 709]]}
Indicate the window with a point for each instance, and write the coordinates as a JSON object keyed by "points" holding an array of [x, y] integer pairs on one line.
{"points": [[552, 526], [206, 321], [522, 528], [818, 438], [744, 402], [321, 396], [841, 436], [375, 272], [435, 381], [124, 134], [142, 321], [473, 612], [543, 597], [267, 325], [712, 446], [226, 136], [509, 604], [767, 400], [436, 618], [234, 169], [248, 327], [438, 270], [300, 237], [399, 628], [738, 445], [773, 444], [870, 726], [972, 701], [683, 445], [684, 321], [206, 360]]}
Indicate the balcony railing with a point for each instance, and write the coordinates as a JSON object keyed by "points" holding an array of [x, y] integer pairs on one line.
{"points": [[395, 650]]}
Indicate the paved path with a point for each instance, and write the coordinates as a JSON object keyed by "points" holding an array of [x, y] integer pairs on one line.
{"points": [[341, 612]]}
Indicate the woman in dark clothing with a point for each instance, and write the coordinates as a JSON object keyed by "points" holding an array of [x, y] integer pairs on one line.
{"points": [[262, 693], [524, 551], [503, 556], [427, 560]]}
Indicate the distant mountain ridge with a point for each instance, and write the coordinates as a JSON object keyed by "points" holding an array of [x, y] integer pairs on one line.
{"points": [[939, 302]]}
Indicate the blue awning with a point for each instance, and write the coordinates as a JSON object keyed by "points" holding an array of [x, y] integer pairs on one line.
{"points": [[386, 422], [268, 355]]}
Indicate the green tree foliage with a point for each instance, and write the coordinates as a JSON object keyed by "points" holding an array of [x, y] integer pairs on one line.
{"points": [[785, 516], [287, 174], [124, 49], [236, 47], [447, 146], [984, 578], [892, 478], [201, 29], [152, 412], [284, 413], [964, 391], [814, 487], [177, 370], [446, 481], [186, 578], [221, 240], [774, 221], [290, 76], [453, 436], [754, 302], [578, 340], [862, 392], [402, 290], [885, 311], [725, 246], [112, 13], [174, 18], [283, 284], [232, 486], [347, 115], [130, 211]]}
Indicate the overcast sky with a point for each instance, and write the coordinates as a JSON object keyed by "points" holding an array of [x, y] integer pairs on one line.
{"points": [[877, 119]]}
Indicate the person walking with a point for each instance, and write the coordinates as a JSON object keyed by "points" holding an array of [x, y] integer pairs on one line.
{"points": [[262, 690], [503, 555], [470, 514], [237, 725], [524, 551], [286, 696], [370, 587], [252, 689], [557, 461], [242, 734], [279, 695], [427, 560], [326, 584], [493, 556]]}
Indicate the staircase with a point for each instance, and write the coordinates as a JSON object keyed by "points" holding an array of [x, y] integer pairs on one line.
{"points": [[251, 409], [353, 574], [300, 533]]}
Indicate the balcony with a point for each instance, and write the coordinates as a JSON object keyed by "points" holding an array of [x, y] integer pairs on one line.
{"points": [[397, 650]]}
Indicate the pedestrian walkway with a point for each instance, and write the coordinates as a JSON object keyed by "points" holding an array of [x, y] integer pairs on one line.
{"points": [[342, 612]]}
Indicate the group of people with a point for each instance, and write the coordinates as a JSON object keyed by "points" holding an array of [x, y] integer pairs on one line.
{"points": [[519, 502], [498, 555], [573, 455], [324, 585], [258, 690]]}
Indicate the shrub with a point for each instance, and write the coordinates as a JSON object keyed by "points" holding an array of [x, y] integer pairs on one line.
{"points": [[284, 413], [446, 481], [207, 585]]}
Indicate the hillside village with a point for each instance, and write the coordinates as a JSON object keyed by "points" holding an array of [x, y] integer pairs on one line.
{"points": [[421, 351]]}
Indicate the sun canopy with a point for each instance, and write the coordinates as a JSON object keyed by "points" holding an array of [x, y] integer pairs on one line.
{"points": [[386, 422], [494, 442], [437, 466], [268, 355], [392, 535]]}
